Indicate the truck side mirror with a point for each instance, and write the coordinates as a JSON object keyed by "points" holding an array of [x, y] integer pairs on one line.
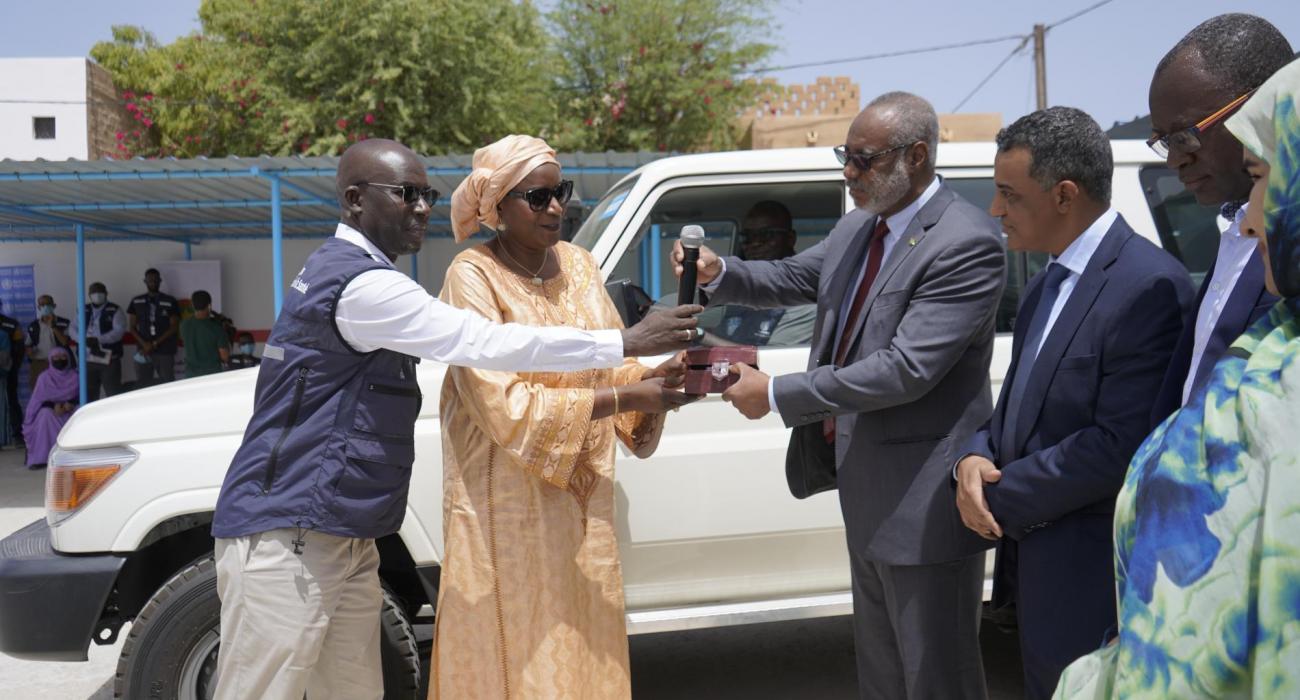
{"points": [[631, 301]]}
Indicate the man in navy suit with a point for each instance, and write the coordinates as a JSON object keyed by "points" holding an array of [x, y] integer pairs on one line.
{"points": [[1196, 86], [1094, 333]]}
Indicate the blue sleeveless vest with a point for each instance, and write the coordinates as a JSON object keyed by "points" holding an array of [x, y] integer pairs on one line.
{"points": [[331, 441]]}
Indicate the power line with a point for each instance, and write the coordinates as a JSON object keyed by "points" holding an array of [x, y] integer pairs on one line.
{"points": [[892, 54], [1080, 13], [1019, 47]]}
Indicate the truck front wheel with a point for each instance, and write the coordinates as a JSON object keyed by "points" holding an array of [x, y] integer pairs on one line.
{"points": [[171, 650]]}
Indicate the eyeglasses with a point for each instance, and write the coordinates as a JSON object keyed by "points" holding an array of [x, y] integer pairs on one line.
{"points": [[1189, 140], [539, 198], [862, 161], [410, 193]]}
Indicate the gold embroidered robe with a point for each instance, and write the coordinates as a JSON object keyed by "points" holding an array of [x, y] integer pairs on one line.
{"points": [[531, 596]]}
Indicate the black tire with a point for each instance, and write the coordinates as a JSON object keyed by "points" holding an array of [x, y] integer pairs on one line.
{"points": [[170, 652]]}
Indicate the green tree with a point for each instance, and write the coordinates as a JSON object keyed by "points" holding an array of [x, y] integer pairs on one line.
{"points": [[302, 76], [656, 74]]}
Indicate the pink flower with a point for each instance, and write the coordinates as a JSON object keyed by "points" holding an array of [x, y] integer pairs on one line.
{"points": [[708, 100], [130, 107], [369, 118], [180, 66], [121, 135], [147, 97], [342, 123], [135, 134], [148, 122], [128, 95]]}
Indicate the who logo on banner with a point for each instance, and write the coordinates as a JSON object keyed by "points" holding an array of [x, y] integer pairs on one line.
{"points": [[18, 301]]}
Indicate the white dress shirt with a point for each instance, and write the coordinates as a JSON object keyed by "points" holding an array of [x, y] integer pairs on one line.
{"points": [[1234, 252], [92, 326], [1075, 258], [386, 309]]}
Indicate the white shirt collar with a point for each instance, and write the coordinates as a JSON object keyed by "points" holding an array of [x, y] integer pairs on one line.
{"points": [[359, 239], [901, 219], [1075, 257], [1232, 228]]}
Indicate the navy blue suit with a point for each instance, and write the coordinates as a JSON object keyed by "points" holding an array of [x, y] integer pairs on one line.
{"points": [[1085, 411], [1247, 302]]}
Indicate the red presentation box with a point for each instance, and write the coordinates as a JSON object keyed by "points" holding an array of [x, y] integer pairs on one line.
{"points": [[708, 370]]}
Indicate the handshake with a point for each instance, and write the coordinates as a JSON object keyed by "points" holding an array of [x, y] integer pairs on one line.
{"points": [[661, 388]]}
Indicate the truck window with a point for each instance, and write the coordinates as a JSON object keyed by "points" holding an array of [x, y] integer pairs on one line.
{"points": [[599, 218], [724, 211], [1187, 230]]}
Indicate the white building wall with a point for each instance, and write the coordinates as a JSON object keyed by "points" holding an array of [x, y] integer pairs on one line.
{"points": [[247, 289], [43, 87]]}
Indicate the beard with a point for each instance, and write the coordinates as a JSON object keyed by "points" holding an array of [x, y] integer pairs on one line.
{"points": [[888, 189]]}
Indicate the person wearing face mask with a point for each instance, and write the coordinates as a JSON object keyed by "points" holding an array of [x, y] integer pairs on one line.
{"points": [[325, 463], [1206, 563], [45, 333], [105, 326], [53, 400], [243, 356], [155, 319]]}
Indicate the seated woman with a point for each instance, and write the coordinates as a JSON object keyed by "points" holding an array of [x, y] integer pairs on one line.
{"points": [[55, 397], [1206, 553], [531, 597]]}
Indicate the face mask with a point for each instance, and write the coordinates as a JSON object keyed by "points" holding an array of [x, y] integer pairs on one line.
{"points": [[98, 298], [246, 348], [59, 365], [47, 310]]}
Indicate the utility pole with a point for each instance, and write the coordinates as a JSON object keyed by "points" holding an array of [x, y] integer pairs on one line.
{"points": [[1040, 64]]}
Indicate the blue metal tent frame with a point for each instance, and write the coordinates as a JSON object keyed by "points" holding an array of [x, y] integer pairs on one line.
{"points": [[164, 200]]}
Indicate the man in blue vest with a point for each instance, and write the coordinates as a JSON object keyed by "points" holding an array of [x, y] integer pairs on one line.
{"points": [[326, 460], [105, 326], [155, 319]]}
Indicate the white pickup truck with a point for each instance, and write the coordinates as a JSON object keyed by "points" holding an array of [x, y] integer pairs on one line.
{"points": [[709, 534]]}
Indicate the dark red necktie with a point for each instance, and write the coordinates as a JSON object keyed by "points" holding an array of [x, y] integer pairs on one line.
{"points": [[875, 255]]}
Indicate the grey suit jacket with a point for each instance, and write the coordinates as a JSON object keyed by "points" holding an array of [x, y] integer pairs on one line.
{"points": [[915, 385]]}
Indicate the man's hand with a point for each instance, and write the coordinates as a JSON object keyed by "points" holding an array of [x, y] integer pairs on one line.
{"points": [[749, 393], [146, 347], [973, 472], [662, 331], [708, 267]]}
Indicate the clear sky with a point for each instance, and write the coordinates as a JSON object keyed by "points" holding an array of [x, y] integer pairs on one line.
{"points": [[1100, 62]]}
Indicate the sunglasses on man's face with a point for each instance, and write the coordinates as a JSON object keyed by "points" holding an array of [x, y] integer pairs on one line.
{"points": [[862, 161], [410, 193], [539, 198]]}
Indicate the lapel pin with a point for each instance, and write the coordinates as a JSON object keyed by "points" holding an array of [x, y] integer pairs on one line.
{"points": [[911, 241]]}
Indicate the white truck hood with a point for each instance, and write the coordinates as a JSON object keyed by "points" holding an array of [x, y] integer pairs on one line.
{"points": [[189, 408]]}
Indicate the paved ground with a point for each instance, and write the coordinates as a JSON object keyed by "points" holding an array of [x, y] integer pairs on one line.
{"points": [[805, 659]]}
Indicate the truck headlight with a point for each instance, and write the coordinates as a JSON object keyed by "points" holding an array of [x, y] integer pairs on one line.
{"points": [[75, 476]]}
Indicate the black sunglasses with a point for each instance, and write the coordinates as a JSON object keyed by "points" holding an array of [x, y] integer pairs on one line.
{"points": [[411, 193], [862, 161], [539, 198]]}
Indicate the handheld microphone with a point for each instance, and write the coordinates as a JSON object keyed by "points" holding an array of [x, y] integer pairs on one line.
{"points": [[692, 237]]}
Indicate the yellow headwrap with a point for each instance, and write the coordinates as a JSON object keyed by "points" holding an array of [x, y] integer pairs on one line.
{"points": [[497, 169]]}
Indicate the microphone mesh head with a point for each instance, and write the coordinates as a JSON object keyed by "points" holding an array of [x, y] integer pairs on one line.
{"points": [[692, 236]]}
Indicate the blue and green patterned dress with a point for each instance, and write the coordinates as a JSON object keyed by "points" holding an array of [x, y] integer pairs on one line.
{"points": [[1207, 526]]}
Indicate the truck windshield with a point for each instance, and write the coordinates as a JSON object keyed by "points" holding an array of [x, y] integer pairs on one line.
{"points": [[604, 212]]}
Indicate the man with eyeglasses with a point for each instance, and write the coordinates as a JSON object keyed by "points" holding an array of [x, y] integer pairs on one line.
{"points": [[326, 459], [906, 287], [1201, 82]]}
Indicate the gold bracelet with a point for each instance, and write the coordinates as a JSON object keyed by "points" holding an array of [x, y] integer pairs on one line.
{"points": [[615, 413]]}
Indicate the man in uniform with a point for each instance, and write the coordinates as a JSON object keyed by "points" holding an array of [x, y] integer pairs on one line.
{"points": [[155, 318], [105, 326]]}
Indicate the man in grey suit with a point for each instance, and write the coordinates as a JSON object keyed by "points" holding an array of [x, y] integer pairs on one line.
{"points": [[906, 287]]}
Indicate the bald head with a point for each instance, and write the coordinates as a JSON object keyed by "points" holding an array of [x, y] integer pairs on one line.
{"points": [[374, 183], [373, 160], [908, 118]]}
